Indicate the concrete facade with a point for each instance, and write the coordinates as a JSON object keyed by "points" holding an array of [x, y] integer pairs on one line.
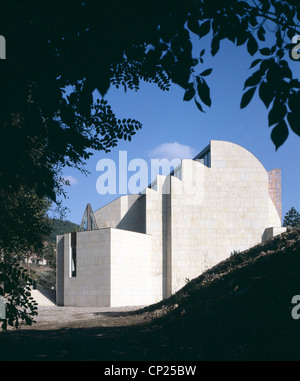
{"points": [[148, 245], [113, 268]]}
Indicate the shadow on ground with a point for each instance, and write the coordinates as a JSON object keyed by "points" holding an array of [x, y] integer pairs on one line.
{"points": [[143, 342]]}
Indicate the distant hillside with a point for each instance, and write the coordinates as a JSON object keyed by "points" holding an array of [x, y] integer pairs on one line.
{"points": [[240, 309], [62, 227]]}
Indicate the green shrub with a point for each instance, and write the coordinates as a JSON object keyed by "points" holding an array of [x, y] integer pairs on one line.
{"points": [[46, 280]]}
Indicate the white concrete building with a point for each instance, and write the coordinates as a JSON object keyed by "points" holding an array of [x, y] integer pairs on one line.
{"points": [[140, 249]]}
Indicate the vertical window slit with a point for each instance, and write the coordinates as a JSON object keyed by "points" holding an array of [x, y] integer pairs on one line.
{"points": [[73, 258]]}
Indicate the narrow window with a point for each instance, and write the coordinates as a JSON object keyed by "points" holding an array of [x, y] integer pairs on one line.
{"points": [[73, 255], [208, 159]]}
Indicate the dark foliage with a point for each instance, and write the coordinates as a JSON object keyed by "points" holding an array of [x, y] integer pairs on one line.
{"points": [[19, 304], [24, 224], [292, 218], [46, 280], [59, 226], [94, 45]]}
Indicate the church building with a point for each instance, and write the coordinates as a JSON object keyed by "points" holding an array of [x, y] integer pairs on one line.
{"points": [[139, 249]]}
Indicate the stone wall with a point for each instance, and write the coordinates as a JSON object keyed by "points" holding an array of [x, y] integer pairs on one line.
{"points": [[112, 214], [91, 286], [229, 209], [113, 268], [131, 263], [275, 188], [133, 210], [154, 227]]}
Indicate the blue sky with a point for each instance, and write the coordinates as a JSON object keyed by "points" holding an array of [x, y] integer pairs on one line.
{"points": [[169, 123]]}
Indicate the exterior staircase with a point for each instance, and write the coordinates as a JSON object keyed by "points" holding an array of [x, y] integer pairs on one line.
{"points": [[45, 298]]}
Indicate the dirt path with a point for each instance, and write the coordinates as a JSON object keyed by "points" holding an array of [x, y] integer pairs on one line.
{"points": [[50, 318], [82, 333]]}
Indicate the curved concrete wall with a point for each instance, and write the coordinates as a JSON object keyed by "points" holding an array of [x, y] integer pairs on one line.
{"points": [[230, 212]]}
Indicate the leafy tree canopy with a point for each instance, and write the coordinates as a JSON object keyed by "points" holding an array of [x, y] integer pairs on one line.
{"points": [[59, 226], [292, 218], [19, 304], [88, 45], [24, 224]]}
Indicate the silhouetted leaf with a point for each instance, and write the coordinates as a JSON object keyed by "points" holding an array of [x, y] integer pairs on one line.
{"points": [[215, 45], [265, 6], [253, 18], [252, 45], [266, 93], [206, 72], [266, 63], [247, 96], [204, 28], [189, 94], [255, 62], [291, 33], [203, 91], [199, 106], [241, 37], [280, 53], [265, 51], [286, 71], [294, 101], [254, 79], [261, 33], [279, 134], [294, 122], [277, 112], [181, 74]]}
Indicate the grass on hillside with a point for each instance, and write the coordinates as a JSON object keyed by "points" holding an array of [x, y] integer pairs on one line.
{"points": [[241, 308]]}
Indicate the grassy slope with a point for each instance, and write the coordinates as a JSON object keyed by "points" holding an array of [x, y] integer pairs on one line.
{"points": [[241, 308]]}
